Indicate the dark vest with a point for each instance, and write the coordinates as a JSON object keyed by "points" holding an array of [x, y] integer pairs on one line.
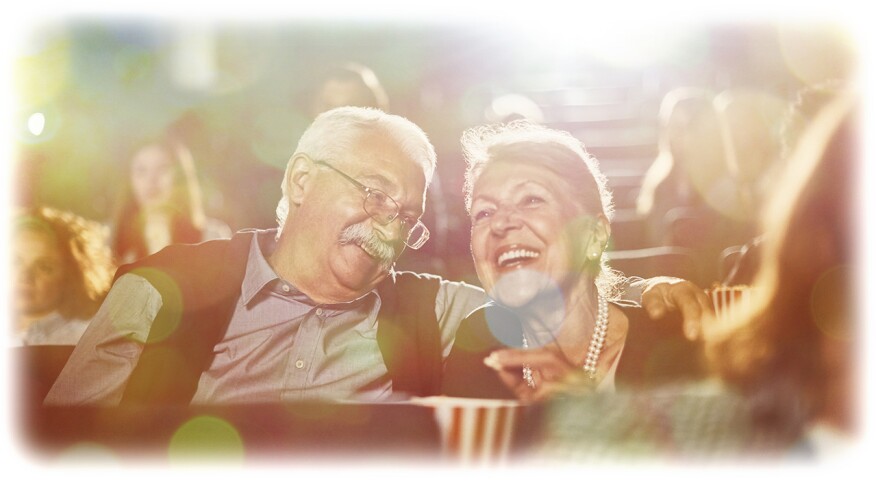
{"points": [[200, 285]]}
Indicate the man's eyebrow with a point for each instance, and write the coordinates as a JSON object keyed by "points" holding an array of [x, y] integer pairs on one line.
{"points": [[375, 180]]}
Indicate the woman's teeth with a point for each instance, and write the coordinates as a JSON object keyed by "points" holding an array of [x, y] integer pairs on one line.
{"points": [[516, 256]]}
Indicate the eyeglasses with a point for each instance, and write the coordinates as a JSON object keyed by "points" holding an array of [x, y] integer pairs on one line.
{"points": [[385, 210]]}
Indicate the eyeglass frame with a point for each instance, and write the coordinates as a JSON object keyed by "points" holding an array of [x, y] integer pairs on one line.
{"points": [[370, 191]]}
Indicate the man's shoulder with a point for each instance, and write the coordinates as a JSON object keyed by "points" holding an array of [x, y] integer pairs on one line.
{"points": [[197, 261]]}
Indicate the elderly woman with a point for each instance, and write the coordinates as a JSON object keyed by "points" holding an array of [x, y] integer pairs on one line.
{"points": [[62, 269], [540, 213]]}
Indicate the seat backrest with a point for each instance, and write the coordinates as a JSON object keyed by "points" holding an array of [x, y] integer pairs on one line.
{"points": [[37, 367], [689, 227], [658, 261], [629, 231]]}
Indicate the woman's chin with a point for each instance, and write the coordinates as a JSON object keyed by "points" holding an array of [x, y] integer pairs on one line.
{"points": [[521, 287]]}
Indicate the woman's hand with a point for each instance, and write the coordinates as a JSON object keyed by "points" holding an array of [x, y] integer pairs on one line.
{"points": [[551, 371]]}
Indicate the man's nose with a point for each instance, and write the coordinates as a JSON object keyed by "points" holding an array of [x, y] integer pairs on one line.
{"points": [[390, 232]]}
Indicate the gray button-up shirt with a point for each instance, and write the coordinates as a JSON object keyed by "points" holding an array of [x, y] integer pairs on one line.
{"points": [[279, 346]]}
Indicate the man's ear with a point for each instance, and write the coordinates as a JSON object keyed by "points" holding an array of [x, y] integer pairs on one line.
{"points": [[298, 177]]}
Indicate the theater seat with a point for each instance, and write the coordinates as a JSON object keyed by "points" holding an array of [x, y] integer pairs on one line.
{"points": [[37, 367], [658, 261], [629, 231]]}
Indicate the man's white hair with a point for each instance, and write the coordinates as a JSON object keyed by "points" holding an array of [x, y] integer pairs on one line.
{"points": [[335, 134]]}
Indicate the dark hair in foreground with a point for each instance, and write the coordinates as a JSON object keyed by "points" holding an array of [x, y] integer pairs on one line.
{"points": [[804, 305]]}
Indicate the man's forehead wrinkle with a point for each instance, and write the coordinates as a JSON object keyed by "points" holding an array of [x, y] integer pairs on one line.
{"points": [[372, 179]]}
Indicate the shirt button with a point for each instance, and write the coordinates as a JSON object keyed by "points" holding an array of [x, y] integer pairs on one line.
{"points": [[319, 312], [286, 288], [299, 364]]}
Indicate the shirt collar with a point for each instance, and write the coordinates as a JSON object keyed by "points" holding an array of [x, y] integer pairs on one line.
{"points": [[258, 272]]}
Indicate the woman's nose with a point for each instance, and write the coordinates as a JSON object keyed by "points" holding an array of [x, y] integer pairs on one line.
{"points": [[504, 219], [24, 275]]}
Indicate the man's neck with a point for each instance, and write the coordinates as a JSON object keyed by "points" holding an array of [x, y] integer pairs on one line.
{"points": [[293, 265]]}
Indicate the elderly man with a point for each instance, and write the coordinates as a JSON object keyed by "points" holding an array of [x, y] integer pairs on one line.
{"points": [[312, 311]]}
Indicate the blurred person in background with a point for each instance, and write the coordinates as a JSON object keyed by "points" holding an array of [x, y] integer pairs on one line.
{"points": [[690, 161], [750, 122], [162, 204], [794, 348], [346, 84], [510, 107], [62, 268], [688, 195], [741, 262]]}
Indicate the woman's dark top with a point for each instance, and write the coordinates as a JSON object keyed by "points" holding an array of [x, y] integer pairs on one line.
{"points": [[655, 352]]}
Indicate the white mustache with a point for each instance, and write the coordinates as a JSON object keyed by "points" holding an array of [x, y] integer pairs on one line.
{"points": [[365, 238]]}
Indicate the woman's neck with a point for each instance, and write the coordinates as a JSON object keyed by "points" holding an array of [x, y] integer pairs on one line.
{"points": [[568, 320]]}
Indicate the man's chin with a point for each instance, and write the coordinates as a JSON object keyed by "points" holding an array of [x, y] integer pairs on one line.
{"points": [[377, 261], [360, 264]]}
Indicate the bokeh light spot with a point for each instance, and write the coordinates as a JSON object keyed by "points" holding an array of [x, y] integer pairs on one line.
{"points": [[516, 289], [88, 452], [206, 436], [42, 76], [36, 123], [171, 303], [817, 54]]}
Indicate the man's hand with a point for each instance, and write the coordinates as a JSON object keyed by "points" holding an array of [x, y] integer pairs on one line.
{"points": [[663, 295]]}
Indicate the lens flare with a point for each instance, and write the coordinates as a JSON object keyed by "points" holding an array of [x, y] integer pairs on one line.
{"points": [[88, 452], [171, 303], [36, 123], [206, 436], [817, 54]]}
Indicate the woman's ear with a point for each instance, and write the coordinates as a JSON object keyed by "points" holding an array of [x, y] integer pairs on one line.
{"points": [[598, 239], [298, 177]]}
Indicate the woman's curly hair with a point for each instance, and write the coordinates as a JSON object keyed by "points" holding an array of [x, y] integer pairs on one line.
{"points": [[86, 253]]}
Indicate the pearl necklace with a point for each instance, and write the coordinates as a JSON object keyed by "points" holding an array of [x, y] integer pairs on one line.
{"points": [[597, 341]]}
